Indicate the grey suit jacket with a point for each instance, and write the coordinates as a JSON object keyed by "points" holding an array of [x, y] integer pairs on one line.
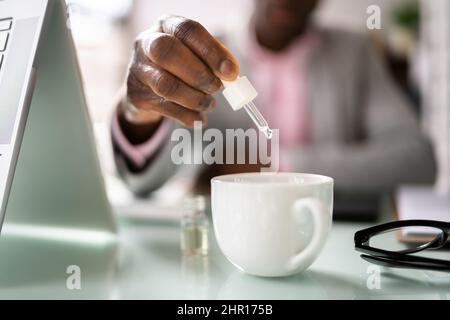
{"points": [[365, 135]]}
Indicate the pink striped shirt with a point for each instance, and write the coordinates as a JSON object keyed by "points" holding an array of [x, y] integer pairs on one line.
{"points": [[280, 80], [139, 154]]}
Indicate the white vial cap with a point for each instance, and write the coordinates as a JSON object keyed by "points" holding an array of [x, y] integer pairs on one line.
{"points": [[239, 92]]}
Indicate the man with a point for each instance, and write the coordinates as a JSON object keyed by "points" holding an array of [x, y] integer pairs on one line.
{"points": [[338, 112]]}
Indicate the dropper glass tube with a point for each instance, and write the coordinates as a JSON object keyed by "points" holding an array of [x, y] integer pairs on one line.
{"points": [[258, 119], [240, 93]]}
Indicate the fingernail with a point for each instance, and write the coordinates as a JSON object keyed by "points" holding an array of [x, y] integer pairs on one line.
{"points": [[227, 68], [207, 103], [214, 86]]}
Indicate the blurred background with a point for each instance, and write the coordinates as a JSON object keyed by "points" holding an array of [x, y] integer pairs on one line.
{"points": [[414, 41]]}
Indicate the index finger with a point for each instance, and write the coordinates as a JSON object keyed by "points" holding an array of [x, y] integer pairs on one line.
{"points": [[203, 44]]}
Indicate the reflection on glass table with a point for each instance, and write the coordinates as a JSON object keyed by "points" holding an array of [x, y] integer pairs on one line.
{"points": [[146, 263]]}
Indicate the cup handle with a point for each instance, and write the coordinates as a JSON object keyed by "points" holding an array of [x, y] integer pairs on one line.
{"points": [[321, 222]]}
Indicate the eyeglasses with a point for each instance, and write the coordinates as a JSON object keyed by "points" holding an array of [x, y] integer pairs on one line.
{"points": [[382, 244]]}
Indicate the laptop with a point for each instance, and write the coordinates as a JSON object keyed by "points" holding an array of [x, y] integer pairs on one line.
{"points": [[49, 171]]}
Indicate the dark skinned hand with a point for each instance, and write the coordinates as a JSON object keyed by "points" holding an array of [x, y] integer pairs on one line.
{"points": [[176, 66]]}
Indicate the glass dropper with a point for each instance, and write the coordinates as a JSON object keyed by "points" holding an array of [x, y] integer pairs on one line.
{"points": [[240, 93], [258, 119]]}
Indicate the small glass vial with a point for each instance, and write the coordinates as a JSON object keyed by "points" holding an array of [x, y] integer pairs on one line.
{"points": [[194, 228]]}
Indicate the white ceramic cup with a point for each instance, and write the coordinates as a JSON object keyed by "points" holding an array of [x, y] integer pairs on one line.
{"points": [[271, 224]]}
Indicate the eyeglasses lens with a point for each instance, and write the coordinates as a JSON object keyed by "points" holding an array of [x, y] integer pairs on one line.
{"points": [[407, 239]]}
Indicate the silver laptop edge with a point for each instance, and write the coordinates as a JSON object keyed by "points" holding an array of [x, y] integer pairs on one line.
{"points": [[55, 179]]}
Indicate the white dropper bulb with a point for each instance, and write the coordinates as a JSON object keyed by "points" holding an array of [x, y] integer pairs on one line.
{"points": [[240, 93]]}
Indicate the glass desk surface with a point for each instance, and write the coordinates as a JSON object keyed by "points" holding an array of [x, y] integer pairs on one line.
{"points": [[146, 263]]}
